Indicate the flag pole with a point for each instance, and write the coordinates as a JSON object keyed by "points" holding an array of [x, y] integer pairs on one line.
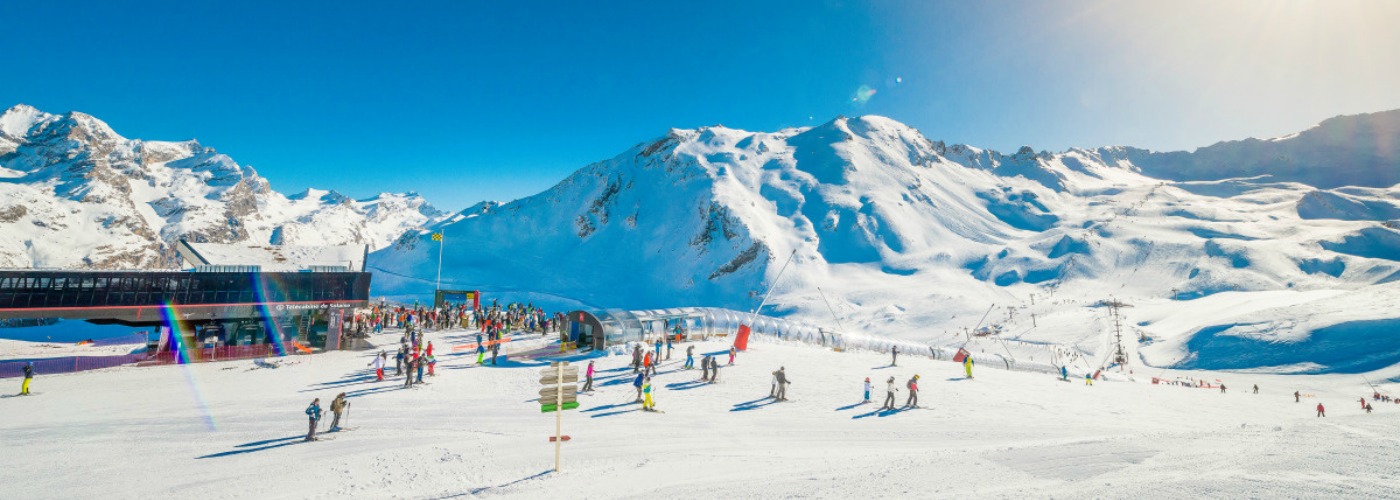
{"points": [[440, 238]]}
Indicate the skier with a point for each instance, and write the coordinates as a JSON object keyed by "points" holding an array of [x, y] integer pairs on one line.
{"points": [[430, 349], [1222, 388], [773, 392], [732, 352], [647, 404], [1296, 397], [668, 348], [1256, 388], [890, 389], [1088, 379], [967, 365], [398, 361], [1363, 403], [638, 384], [313, 414], [588, 378], [658, 350], [646, 363], [408, 373], [338, 405], [714, 369], [1321, 412], [419, 361], [28, 375], [637, 359], [432, 363], [378, 365], [867, 390], [705, 367], [894, 355], [781, 376], [1368, 407], [480, 350], [690, 358], [1064, 374], [913, 385], [495, 351]]}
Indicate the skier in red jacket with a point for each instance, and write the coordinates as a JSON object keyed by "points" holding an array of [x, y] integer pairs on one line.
{"points": [[1321, 412]]}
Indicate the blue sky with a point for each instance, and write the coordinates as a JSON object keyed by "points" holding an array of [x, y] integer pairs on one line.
{"points": [[465, 101]]}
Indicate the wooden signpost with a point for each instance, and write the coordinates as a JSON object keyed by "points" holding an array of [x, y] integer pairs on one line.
{"points": [[560, 393]]}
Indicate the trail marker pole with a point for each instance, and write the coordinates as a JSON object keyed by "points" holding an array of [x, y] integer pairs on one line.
{"points": [[557, 397]]}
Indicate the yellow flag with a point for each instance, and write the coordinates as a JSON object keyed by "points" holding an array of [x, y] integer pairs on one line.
{"points": [[437, 236]]}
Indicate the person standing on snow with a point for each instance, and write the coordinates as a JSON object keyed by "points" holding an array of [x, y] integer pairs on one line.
{"points": [[28, 375], [705, 367], [646, 363], [1321, 412], [773, 392], [1363, 403], [867, 390], [1297, 398], [588, 378], [781, 376], [658, 351], [378, 364], [647, 404], [689, 358], [1088, 379], [432, 364], [967, 365], [419, 361], [714, 370], [1222, 388], [913, 385], [495, 352], [338, 405], [890, 389], [398, 361], [1256, 388], [668, 348], [1064, 374], [732, 352], [408, 373], [894, 355], [638, 384], [637, 359], [313, 414], [480, 350]]}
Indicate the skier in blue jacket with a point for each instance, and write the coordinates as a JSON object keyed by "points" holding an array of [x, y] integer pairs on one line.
{"points": [[638, 384], [313, 414]]}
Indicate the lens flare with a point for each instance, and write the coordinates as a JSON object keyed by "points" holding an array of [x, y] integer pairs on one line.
{"points": [[863, 94], [171, 315], [265, 295]]}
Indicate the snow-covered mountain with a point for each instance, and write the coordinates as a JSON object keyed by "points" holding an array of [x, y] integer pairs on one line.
{"points": [[916, 238], [74, 194]]}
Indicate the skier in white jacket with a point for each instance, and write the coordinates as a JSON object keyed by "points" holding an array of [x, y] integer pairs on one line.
{"points": [[890, 389]]}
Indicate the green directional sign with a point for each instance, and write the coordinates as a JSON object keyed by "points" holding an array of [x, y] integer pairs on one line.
{"points": [[551, 407]]}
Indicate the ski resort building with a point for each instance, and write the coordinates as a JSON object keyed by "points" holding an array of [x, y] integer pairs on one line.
{"points": [[214, 309]]}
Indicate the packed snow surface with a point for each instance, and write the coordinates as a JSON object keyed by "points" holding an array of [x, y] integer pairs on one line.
{"points": [[234, 430]]}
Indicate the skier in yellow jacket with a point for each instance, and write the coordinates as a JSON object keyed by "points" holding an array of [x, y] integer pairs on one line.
{"points": [[967, 365]]}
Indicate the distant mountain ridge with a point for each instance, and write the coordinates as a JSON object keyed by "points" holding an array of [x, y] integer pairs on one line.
{"points": [[75, 194], [912, 237]]}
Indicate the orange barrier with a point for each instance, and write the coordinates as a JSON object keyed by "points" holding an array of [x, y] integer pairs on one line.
{"points": [[488, 344], [302, 348]]}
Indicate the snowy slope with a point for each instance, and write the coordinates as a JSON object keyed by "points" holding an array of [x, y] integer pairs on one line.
{"points": [[201, 431], [917, 239], [74, 194]]}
